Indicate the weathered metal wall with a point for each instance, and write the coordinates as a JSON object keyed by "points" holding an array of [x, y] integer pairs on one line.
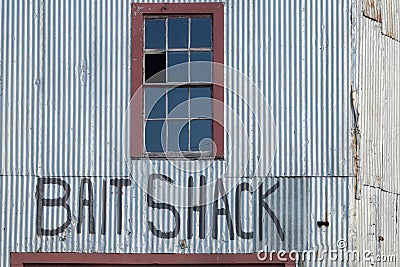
{"points": [[377, 99], [298, 203], [386, 12], [64, 90]]}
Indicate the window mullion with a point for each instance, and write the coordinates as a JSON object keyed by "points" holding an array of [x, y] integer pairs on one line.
{"points": [[189, 116], [166, 120], [189, 64], [166, 89], [166, 50], [189, 45]]}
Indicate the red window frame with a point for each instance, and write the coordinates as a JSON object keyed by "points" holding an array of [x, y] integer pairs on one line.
{"points": [[139, 11], [104, 259]]}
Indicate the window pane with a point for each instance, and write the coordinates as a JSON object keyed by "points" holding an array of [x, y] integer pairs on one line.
{"points": [[200, 102], [155, 103], [178, 99], [201, 66], [201, 33], [155, 33], [178, 135], [201, 135], [176, 72], [155, 65], [178, 30], [155, 136]]}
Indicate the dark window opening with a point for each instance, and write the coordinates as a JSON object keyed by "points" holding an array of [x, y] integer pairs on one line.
{"points": [[155, 68]]}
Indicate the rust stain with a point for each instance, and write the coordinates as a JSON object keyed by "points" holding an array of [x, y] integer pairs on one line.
{"points": [[373, 10], [371, 4], [376, 9], [391, 35], [391, 23], [379, 15], [355, 139]]}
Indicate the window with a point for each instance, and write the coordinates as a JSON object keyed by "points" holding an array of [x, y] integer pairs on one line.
{"points": [[177, 90]]}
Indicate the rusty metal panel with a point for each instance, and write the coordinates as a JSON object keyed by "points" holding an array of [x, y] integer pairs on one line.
{"points": [[391, 19], [373, 9], [387, 12]]}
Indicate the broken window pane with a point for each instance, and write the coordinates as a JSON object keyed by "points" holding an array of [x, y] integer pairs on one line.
{"points": [[155, 68]]}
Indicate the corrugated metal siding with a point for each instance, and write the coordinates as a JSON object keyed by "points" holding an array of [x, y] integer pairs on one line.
{"points": [[64, 89], [20, 98], [377, 225], [376, 84], [299, 57], [391, 18], [85, 87], [373, 9], [77, 66], [388, 13], [298, 203]]}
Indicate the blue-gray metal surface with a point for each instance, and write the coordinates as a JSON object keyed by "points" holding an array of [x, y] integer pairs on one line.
{"points": [[64, 90]]}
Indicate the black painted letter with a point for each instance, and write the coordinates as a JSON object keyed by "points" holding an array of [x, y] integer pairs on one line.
{"points": [[262, 204], [56, 202], [86, 202], [156, 205], [200, 208], [119, 183], [220, 190], [103, 209], [239, 189]]}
